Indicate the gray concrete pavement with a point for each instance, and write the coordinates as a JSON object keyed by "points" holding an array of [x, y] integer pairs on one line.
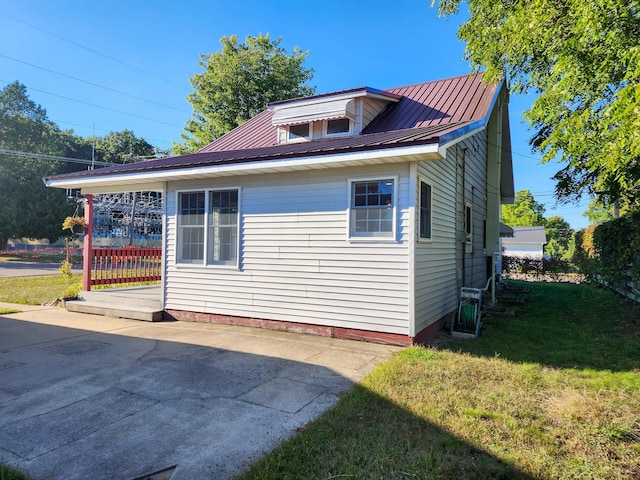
{"points": [[84, 396]]}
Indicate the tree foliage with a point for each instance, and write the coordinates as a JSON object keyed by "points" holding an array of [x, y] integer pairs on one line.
{"points": [[524, 211], [237, 83], [582, 58], [27, 207], [559, 238], [121, 147]]}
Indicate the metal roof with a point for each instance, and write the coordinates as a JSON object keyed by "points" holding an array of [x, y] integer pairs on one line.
{"points": [[528, 235], [427, 113]]}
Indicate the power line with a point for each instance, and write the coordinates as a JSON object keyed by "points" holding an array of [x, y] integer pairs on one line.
{"points": [[95, 84], [99, 106], [94, 51], [44, 156]]}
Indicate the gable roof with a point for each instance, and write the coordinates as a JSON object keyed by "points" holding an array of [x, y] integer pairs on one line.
{"points": [[426, 117]]}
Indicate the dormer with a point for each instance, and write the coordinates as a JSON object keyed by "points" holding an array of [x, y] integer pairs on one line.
{"points": [[338, 114]]}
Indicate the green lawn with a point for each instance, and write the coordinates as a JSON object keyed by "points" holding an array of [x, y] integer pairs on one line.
{"points": [[35, 290], [551, 394]]}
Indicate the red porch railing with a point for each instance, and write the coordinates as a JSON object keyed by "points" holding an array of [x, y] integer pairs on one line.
{"points": [[125, 265]]}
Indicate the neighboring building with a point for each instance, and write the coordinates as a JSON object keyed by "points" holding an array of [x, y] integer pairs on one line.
{"points": [[527, 242], [356, 214]]}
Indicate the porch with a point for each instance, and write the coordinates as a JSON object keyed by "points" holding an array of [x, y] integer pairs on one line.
{"points": [[136, 303]]}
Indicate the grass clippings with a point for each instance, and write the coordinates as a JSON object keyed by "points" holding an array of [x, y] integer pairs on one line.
{"points": [[551, 394]]}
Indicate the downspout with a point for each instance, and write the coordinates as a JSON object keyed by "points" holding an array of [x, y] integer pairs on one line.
{"points": [[464, 217]]}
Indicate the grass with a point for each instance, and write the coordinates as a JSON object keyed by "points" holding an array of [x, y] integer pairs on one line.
{"points": [[5, 311], [553, 393], [10, 473], [35, 290]]}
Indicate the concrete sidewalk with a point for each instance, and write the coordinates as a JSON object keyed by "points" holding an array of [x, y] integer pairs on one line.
{"points": [[85, 396]]}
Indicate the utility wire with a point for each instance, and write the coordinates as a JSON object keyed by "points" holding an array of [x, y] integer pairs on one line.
{"points": [[44, 156], [100, 106], [95, 84], [113, 59]]}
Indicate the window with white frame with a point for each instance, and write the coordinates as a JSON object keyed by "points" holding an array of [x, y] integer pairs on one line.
{"points": [[213, 236], [425, 210], [372, 208], [337, 127], [299, 132]]}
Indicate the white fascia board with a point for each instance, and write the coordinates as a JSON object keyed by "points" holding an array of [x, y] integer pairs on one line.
{"points": [[154, 178], [443, 148]]}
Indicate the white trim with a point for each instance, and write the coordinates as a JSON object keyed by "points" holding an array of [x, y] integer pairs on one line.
{"points": [[413, 227], [393, 238], [99, 183]]}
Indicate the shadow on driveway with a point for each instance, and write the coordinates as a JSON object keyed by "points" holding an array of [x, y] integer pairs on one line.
{"points": [[121, 399]]}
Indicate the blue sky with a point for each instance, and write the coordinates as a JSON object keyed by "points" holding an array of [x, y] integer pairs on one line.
{"points": [[106, 66]]}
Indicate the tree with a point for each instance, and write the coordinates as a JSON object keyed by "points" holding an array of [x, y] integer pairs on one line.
{"points": [[27, 207], [121, 147], [582, 58], [524, 211], [237, 83], [559, 238]]}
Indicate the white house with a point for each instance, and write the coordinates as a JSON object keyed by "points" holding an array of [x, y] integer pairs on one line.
{"points": [[527, 242], [355, 214]]}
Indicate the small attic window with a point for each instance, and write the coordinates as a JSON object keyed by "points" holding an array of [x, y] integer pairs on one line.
{"points": [[299, 132], [338, 126]]}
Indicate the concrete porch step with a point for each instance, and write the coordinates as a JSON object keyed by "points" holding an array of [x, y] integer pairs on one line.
{"points": [[137, 296], [113, 309]]}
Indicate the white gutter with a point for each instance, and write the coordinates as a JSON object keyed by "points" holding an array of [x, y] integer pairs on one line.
{"points": [[388, 155]]}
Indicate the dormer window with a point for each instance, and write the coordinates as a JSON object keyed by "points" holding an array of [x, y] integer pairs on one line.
{"points": [[337, 114], [338, 126], [299, 132]]}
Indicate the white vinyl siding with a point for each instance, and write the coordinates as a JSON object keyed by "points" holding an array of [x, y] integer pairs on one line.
{"points": [[296, 263], [435, 260]]}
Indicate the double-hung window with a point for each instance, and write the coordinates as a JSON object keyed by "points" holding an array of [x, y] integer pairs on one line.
{"points": [[372, 208], [208, 227]]}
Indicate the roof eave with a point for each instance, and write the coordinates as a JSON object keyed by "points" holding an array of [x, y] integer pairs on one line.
{"points": [[154, 180]]}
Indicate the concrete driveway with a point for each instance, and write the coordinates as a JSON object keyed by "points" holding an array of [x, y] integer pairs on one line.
{"points": [[85, 396]]}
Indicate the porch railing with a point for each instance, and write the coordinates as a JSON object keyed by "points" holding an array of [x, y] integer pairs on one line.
{"points": [[125, 265]]}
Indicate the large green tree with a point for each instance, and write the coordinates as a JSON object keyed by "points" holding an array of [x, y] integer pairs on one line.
{"points": [[238, 82], [27, 207], [524, 211], [582, 59]]}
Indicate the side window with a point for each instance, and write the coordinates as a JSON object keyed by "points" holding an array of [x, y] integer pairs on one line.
{"points": [[372, 209], [425, 210]]}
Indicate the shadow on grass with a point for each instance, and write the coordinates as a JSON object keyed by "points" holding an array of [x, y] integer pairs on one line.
{"points": [[564, 326], [368, 436]]}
